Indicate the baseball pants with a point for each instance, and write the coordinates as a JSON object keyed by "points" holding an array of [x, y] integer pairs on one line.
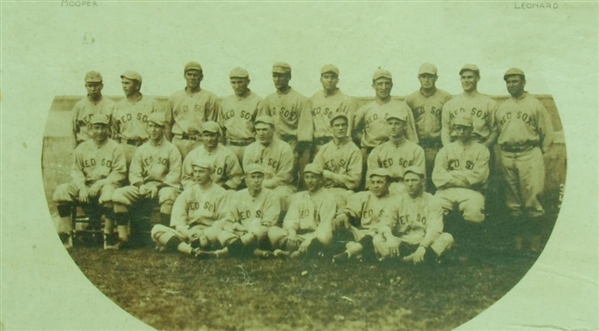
{"points": [[278, 236], [129, 195], [469, 202], [524, 175], [439, 246], [69, 192]]}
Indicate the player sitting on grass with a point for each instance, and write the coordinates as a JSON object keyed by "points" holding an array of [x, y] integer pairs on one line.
{"points": [[361, 216], [198, 215], [409, 228], [307, 225]]}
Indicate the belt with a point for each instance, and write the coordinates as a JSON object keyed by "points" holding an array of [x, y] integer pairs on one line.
{"points": [[516, 148], [186, 136], [240, 142], [134, 142]]}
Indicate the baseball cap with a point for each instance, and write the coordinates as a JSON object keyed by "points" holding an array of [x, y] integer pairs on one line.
{"points": [[471, 67], [313, 168], [329, 68], [337, 115], [192, 65], [513, 71], [400, 115], [462, 119], [427, 68], [265, 120], [133, 75], [381, 73], [99, 119], [157, 118], [239, 73], [93, 77], [253, 169], [211, 126], [281, 67], [415, 170], [382, 172], [202, 163]]}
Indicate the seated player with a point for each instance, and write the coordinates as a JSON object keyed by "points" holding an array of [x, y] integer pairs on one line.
{"points": [[409, 228], [198, 216], [227, 171], [307, 227], [154, 173], [361, 216], [98, 169], [341, 160]]}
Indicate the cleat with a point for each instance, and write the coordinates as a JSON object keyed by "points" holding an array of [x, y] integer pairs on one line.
{"points": [[200, 254], [111, 242], [66, 239], [345, 256], [280, 253], [263, 254]]}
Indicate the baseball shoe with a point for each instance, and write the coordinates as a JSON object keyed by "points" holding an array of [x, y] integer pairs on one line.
{"points": [[263, 254], [111, 242], [200, 254], [342, 257], [66, 239], [280, 253]]}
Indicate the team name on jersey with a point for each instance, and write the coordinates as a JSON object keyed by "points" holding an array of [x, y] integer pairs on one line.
{"points": [[368, 213], [243, 215], [85, 119], [185, 109], [231, 113], [405, 219], [401, 162], [473, 112], [454, 164], [291, 115], [524, 117], [373, 118], [419, 111], [128, 117], [335, 164], [305, 213], [194, 205], [270, 162], [91, 162], [160, 160], [326, 112]]}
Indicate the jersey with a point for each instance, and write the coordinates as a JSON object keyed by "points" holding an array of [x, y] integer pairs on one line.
{"points": [[291, 115], [396, 157], [524, 121], [186, 112], [95, 163], [427, 113], [456, 163], [276, 159], [373, 118], [227, 170], [129, 118], [344, 161], [310, 212], [158, 163], [200, 206], [82, 113], [323, 108], [261, 210], [480, 107], [367, 207], [237, 115]]}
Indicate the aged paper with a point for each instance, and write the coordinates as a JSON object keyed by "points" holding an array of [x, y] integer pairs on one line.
{"points": [[48, 46]]}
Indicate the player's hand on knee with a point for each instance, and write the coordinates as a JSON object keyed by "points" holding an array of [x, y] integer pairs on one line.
{"points": [[292, 243], [153, 192], [303, 248], [84, 195], [417, 256], [94, 190], [144, 190]]}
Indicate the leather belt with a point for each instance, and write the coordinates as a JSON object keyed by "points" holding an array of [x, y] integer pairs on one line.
{"points": [[516, 148], [240, 142], [134, 142], [187, 136]]}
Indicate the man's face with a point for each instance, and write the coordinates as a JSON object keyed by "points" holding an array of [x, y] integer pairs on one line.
{"points": [[313, 181], [281, 80], [155, 131], [396, 127], [382, 87], [329, 81], [239, 85], [413, 183], [201, 175], [469, 80], [264, 133], [462, 132], [210, 139], [99, 132], [94, 89], [427, 81], [130, 86], [379, 186], [339, 126], [254, 181], [515, 85], [193, 78]]}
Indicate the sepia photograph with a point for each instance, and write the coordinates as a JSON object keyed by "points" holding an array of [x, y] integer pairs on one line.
{"points": [[299, 166]]}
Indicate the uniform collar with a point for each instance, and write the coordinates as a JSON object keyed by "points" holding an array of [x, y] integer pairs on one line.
{"points": [[330, 95], [159, 143], [427, 95], [524, 95]]}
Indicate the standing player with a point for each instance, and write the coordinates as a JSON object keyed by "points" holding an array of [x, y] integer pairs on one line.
{"points": [[131, 114], [307, 227], [227, 171], [238, 112], [291, 116], [188, 109], [330, 100], [410, 227], [525, 133], [98, 169], [398, 153], [154, 172], [479, 106], [275, 156], [93, 103], [427, 104]]}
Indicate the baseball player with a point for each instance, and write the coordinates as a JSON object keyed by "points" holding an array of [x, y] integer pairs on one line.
{"points": [[481, 107], [188, 109], [326, 102], [238, 112], [461, 171], [362, 214], [341, 160], [525, 133], [198, 216], [131, 114], [98, 169], [307, 227], [291, 116], [427, 104], [227, 171], [154, 172], [275, 156], [93, 103], [397, 153], [410, 228]]}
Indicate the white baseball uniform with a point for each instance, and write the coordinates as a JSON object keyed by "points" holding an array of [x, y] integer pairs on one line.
{"points": [[396, 156], [227, 170], [82, 113], [480, 107]]}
